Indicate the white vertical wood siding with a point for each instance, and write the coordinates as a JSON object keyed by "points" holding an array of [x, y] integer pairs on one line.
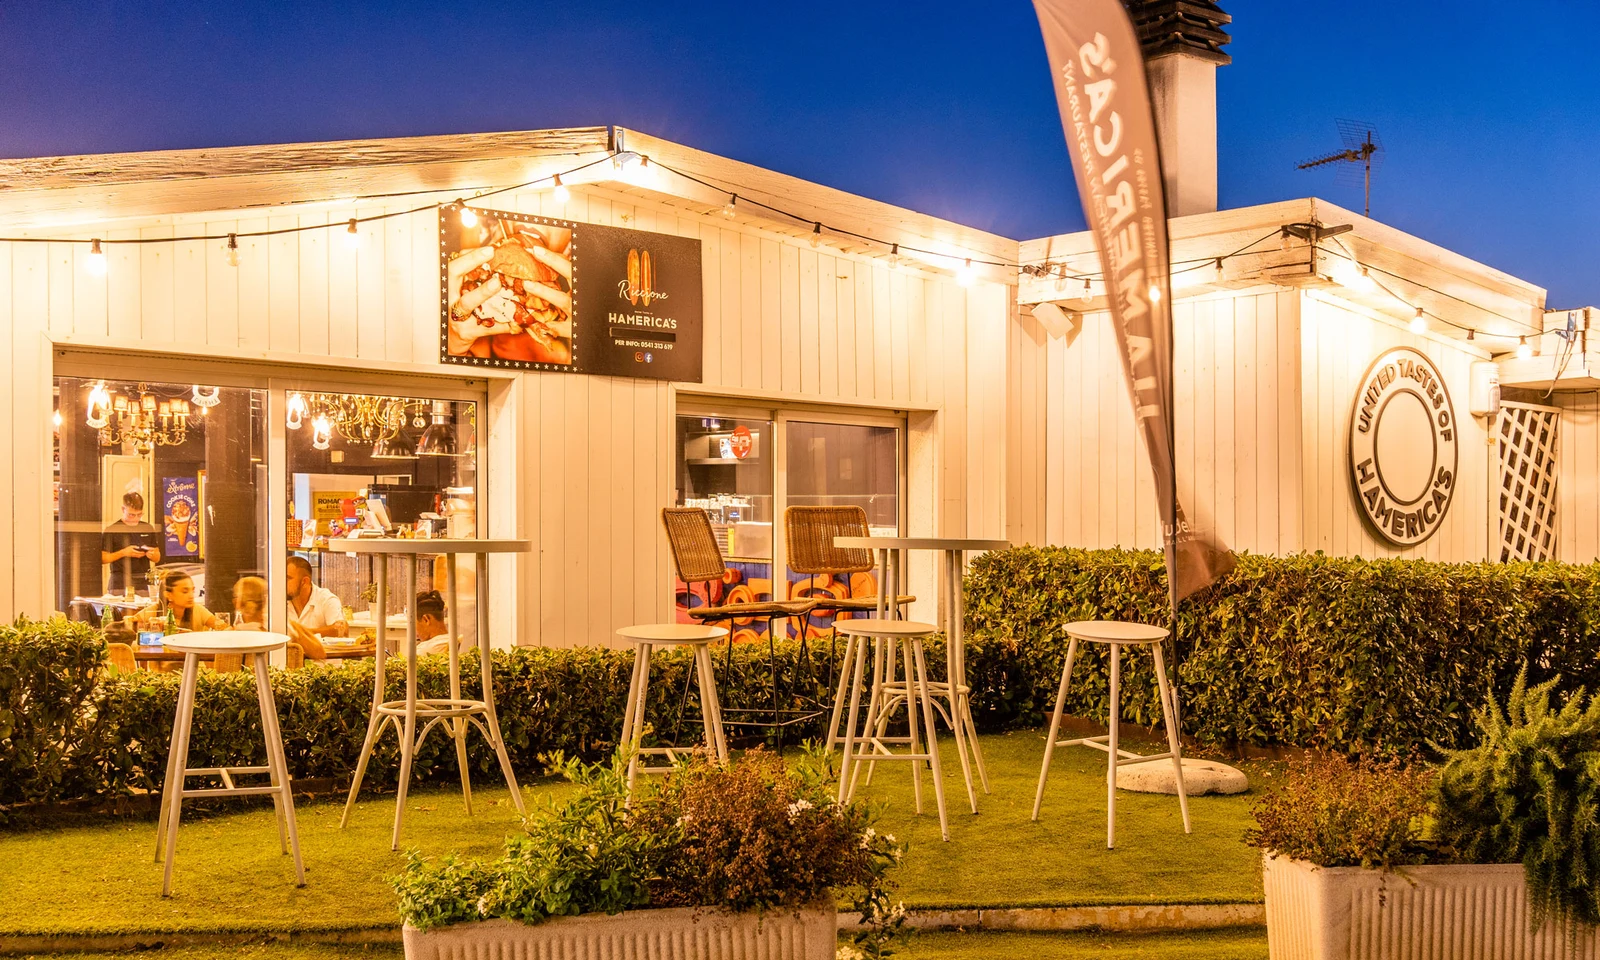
{"points": [[1338, 345], [591, 458], [1237, 407], [1578, 484]]}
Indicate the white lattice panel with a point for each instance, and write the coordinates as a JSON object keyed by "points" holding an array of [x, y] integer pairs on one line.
{"points": [[1528, 451]]}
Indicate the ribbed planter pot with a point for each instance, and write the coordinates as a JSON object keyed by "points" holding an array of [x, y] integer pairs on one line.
{"points": [[674, 934], [1419, 913]]}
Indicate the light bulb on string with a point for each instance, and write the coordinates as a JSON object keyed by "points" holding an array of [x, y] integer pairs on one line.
{"points": [[1155, 293], [728, 208], [561, 193], [1471, 334], [233, 250], [1419, 323], [469, 216], [95, 263], [352, 236], [816, 234], [1218, 276], [1524, 351], [894, 256], [965, 275], [1086, 294]]}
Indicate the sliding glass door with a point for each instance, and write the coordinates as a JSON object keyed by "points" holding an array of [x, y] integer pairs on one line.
{"points": [[745, 466]]}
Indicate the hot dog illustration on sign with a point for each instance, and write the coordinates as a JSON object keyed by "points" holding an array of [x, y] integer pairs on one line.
{"points": [[1404, 447]]}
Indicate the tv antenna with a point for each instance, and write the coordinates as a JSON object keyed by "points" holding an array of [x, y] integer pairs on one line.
{"points": [[1361, 146]]}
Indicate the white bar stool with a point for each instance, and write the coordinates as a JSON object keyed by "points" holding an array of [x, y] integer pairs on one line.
{"points": [[645, 639], [890, 636], [193, 646], [1116, 634]]}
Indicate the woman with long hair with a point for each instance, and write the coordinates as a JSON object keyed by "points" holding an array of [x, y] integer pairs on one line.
{"points": [[177, 596]]}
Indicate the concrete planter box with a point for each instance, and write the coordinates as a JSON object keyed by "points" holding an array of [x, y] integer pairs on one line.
{"points": [[673, 934], [1420, 913]]}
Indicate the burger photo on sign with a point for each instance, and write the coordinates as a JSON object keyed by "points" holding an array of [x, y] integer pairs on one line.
{"points": [[510, 292]]}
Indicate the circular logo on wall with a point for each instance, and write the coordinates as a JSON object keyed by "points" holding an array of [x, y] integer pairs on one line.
{"points": [[1403, 447]]}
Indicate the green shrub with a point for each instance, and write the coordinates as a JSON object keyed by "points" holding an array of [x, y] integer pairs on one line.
{"points": [[1359, 656], [754, 835], [47, 729], [1529, 793], [1347, 813]]}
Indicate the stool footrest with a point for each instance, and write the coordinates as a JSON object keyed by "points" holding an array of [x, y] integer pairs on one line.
{"points": [[186, 793], [219, 771], [435, 707], [1103, 744]]}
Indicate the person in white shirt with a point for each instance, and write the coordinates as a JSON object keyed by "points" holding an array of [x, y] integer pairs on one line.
{"points": [[432, 634], [311, 606]]}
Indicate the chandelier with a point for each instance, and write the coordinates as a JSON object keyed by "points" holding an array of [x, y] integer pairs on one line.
{"points": [[357, 418], [143, 421]]}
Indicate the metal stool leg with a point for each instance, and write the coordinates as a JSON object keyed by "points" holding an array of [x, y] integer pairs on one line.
{"points": [[175, 766], [843, 690], [1111, 753], [912, 695], [847, 764], [486, 670], [1055, 725], [278, 763], [710, 707], [633, 718], [933, 739], [191, 669], [456, 727], [375, 720], [1174, 741], [408, 736]]}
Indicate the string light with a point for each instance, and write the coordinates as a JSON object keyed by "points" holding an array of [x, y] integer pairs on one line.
{"points": [[96, 261], [1086, 294], [232, 252], [561, 193], [816, 235], [1419, 323], [894, 256], [727, 208], [965, 275], [469, 216], [352, 236], [1219, 270], [1523, 350]]}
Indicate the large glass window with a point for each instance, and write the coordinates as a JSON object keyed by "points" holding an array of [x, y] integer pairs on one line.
{"points": [[728, 466], [404, 465], [151, 479]]}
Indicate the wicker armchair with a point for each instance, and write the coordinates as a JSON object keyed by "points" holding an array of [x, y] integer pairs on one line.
{"points": [[809, 533], [699, 560]]}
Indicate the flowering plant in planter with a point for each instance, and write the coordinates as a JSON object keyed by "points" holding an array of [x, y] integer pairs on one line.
{"points": [[756, 836], [1505, 837]]}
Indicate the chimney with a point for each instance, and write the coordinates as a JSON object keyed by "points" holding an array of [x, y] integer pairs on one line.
{"points": [[1182, 41]]}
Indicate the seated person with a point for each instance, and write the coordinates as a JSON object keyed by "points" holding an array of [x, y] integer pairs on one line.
{"points": [[250, 603], [432, 633], [129, 546], [312, 607], [177, 595]]}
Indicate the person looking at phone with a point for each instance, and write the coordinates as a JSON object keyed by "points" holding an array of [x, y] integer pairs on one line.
{"points": [[313, 607], [129, 546]]}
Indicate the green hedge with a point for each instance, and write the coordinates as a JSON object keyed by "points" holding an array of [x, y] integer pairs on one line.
{"points": [[1358, 656], [119, 726]]}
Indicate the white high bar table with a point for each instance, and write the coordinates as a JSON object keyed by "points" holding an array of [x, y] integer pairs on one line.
{"points": [[454, 713], [891, 577]]}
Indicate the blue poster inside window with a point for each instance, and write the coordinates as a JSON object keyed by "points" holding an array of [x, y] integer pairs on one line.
{"points": [[180, 507]]}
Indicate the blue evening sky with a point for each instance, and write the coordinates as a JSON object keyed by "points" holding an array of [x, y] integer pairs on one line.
{"points": [[1490, 111]]}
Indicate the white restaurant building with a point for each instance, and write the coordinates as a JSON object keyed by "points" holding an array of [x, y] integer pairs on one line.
{"points": [[946, 408]]}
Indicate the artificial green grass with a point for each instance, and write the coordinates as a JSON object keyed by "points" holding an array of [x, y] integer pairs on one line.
{"points": [[1242, 944], [100, 877], [1247, 944], [1001, 858]]}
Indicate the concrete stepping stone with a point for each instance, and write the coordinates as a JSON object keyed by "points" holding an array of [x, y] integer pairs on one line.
{"points": [[1199, 777]]}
